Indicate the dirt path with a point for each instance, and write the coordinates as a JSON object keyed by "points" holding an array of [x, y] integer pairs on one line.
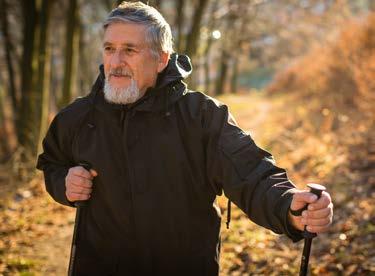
{"points": [[35, 234], [56, 252], [250, 112]]}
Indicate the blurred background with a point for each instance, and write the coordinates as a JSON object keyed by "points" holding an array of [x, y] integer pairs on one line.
{"points": [[299, 76]]}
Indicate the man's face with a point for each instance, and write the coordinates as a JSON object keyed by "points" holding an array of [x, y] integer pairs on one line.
{"points": [[127, 57]]}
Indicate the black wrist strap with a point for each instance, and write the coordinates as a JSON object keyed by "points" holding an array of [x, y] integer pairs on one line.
{"points": [[298, 212]]}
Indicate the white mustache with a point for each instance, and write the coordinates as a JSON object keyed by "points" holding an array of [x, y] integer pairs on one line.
{"points": [[120, 72]]}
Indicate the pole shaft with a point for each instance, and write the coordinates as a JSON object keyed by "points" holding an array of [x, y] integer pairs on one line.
{"points": [[305, 257], [74, 242]]}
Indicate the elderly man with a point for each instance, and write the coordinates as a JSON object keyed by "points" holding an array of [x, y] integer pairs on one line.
{"points": [[160, 154]]}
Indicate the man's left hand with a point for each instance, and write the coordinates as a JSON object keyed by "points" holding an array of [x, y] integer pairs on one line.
{"points": [[318, 216]]}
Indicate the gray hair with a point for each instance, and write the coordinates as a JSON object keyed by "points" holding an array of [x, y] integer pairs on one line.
{"points": [[158, 31]]}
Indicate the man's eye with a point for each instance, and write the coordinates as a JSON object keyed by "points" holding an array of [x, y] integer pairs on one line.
{"points": [[129, 50], [108, 49]]}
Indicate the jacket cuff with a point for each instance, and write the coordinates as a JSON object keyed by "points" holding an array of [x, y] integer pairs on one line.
{"points": [[294, 234], [55, 184]]}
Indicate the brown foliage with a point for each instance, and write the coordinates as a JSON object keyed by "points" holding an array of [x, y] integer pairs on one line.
{"points": [[335, 86], [342, 72], [330, 127]]}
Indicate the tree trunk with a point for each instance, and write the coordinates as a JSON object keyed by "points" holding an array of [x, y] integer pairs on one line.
{"points": [[157, 4], [35, 76], [223, 72], [71, 53], [26, 130], [207, 50], [8, 56], [43, 83], [207, 65], [4, 143], [372, 5], [193, 37], [179, 23], [233, 82], [108, 4], [83, 79]]}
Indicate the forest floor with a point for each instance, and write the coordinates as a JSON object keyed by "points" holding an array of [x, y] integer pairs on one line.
{"points": [[35, 232]]}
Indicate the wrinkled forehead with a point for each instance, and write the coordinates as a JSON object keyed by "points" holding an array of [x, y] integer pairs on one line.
{"points": [[120, 32]]}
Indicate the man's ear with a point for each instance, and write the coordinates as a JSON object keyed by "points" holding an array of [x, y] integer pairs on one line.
{"points": [[163, 61]]}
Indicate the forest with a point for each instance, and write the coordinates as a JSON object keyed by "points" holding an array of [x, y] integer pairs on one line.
{"points": [[298, 76]]}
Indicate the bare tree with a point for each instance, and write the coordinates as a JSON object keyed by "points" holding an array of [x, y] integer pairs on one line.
{"points": [[372, 5], [193, 37], [179, 21], [27, 134], [8, 46], [33, 70], [223, 70], [4, 145], [71, 52], [43, 80], [212, 23], [157, 4]]}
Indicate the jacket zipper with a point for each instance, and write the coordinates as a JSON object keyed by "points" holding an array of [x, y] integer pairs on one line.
{"points": [[125, 116]]}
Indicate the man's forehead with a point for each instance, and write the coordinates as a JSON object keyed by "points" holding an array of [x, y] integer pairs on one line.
{"points": [[125, 44], [129, 34]]}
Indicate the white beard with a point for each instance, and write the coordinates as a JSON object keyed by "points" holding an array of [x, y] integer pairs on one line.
{"points": [[123, 95]]}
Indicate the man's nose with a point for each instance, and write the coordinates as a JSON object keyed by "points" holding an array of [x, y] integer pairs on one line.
{"points": [[117, 59]]}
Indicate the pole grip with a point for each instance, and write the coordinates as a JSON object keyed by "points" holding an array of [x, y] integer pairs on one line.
{"points": [[82, 203], [317, 190]]}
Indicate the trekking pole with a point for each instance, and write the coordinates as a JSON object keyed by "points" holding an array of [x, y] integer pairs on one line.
{"points": [[79, 205], [317, 190]]}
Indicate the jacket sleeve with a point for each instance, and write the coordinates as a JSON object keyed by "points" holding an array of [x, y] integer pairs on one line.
{"points": [[56, 159], [247, 174]]}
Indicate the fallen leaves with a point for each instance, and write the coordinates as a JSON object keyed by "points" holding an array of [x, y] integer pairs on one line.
{"points": [[340, 154]]}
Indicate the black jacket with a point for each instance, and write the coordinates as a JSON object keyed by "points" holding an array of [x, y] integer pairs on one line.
{"points": [[161, 162]]}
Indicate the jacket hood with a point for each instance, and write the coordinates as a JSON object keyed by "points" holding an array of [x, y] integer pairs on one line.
{"points": [[168, 89], [178, 68]]}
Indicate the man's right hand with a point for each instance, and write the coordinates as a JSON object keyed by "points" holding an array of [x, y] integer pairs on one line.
{"points": [[78, 183]]}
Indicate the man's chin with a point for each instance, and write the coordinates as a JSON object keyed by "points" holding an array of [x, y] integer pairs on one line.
{"points": [[117, 86], [121, 82], [121, 93]]}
